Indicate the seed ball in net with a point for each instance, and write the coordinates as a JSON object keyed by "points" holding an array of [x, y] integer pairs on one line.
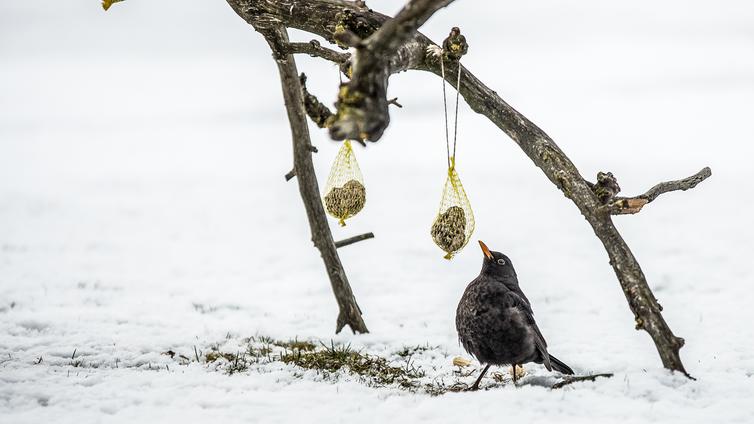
{"points": [[346, 201], [449, 229]]}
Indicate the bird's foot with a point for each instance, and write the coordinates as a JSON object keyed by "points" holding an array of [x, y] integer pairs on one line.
{"points": [[473, 388], [517, 372]]}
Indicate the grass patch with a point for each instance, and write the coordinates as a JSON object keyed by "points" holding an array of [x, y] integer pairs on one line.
{"points": [[296, 345], [407, 351], [333, 361], [214, 355], [375, 370]]}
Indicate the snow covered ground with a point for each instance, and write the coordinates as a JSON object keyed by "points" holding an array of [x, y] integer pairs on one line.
{"points": [[143, 209]]}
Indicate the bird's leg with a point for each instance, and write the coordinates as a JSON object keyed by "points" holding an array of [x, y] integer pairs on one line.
{"points": [[515, 377], [478, 380]]}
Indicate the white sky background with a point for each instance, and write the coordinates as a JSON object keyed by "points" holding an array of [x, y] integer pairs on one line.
{"points": [[144, 149]]}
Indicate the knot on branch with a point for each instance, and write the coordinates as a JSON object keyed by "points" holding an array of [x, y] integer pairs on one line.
{"points": [[679, 342], [563, 182], [351, 28], [639, 323], [606, 187], [455, 45], [316, 110]]}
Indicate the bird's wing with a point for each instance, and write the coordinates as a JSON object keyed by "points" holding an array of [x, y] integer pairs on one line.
{"points": [[512, 299], [539, 340]]}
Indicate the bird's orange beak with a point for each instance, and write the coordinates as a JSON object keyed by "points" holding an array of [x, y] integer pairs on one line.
{"points": [[486, 251]]}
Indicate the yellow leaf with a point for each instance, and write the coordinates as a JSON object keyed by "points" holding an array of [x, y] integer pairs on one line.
{"points": [[107, 3]]}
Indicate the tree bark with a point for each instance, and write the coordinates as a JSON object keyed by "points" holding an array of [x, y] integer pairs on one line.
{"points": [[350, 313], [363, 113]]}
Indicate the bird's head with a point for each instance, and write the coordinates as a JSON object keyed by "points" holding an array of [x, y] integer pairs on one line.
{"points": [[495, 263]]}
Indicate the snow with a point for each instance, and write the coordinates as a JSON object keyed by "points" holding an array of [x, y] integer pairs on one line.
{"points": [[143, 209]]}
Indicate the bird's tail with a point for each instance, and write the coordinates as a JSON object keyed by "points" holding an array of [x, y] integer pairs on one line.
{"points": [[559, 366]]}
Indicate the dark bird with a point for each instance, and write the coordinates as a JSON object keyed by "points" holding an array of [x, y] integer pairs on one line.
{"points": [[495, 322]]}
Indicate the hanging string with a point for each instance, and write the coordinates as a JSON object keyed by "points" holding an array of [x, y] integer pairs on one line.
{"points": [[445, 109], [455, 120], [451, 158]]}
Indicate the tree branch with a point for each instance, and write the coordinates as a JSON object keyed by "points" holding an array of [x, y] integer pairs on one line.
{"points": [[354, 239], [314, 49], [631, 205], [570, 380], [317, 111], [395, 32], [350, 314]]}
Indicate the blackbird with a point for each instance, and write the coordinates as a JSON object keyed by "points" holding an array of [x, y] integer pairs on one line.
{"points": [[495, 322]]}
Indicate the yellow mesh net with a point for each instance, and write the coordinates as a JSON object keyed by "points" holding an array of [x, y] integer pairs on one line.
{"points": [[454, 224], [345, 194]]}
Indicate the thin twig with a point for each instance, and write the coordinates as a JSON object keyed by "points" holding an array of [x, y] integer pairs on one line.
{"points": [[289, 176], [631, 205], [571, 380], [314, 49], [316, 110], [354, 239], [683, 184]]}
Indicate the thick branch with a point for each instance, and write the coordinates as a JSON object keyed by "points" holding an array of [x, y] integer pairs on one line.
{"points": [[400, 29], [350, 314], [362, 105], [631, 205]]}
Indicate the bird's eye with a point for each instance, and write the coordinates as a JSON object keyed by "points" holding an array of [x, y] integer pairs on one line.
{"points": [[501, 261]]}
